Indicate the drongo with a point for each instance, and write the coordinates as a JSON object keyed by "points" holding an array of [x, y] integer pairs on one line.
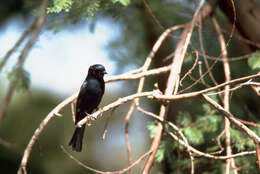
{"points": [[89, 97]]}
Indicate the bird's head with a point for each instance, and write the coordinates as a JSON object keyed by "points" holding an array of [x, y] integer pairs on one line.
{"points": [[97, 71]]}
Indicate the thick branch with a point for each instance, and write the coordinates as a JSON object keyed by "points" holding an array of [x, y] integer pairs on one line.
{"points": [[172, 84]]}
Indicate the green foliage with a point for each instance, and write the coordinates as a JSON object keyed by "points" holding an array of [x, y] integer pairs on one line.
{"points": [[241, 141], [136, 39], [208, 123], [194, 135], [199, 129], [159, 156], [196, 131], [60, 5], [254, 60], [184, 119], [77, 9], [19, 78], [123, 2], [249, 162], [151, 126]]}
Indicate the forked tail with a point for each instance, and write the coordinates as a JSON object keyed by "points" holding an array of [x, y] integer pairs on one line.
{"points": [[76, 140]]}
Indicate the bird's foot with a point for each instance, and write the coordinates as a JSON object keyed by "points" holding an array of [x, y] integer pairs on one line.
{"points": [[89, 117]]}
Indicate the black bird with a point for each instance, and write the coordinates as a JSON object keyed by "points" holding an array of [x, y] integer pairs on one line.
{"points": [[89, 97]]}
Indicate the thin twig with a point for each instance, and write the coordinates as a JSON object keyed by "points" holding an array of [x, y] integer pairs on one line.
{"points": [[194, 151], [204, 52], [201, 74], [17, 44], [234, 23], [141, 84], [249, 123], [231, 118], [6, 101], [107, 123], [153, 16], [204, 91], [191, 69], [107, 172], [219, 141], [226, 99], [207, 155], [128, 146], [51, 115]]}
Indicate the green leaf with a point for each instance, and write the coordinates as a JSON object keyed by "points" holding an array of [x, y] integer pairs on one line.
{"points": [[152, 126], [159, 156], [20, 78], [240, 140], [254, 60], [123, 2], [60, 5], [194, 135], [208, 123]]}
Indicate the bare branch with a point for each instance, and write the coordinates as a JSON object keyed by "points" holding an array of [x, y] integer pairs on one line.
{"points": [[195, 152], [51, 115], [107, 172], [226, 99], [191, 69], [207, 155], [17, 44], [141, 84], [172, 84], [231, 118]]}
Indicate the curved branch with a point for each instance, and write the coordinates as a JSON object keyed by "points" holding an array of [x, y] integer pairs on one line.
{"points": [[110, 172], [51, 115]]}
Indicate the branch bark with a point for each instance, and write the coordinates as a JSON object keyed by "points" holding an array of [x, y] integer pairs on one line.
{"points": [[36, 27], [226, 98], [172, 84]]}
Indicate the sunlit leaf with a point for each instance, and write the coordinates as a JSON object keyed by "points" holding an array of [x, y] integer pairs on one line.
{"points": [[123, 2], [194, 135], [254, 60]]}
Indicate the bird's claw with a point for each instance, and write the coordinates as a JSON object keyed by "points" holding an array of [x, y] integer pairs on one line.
{"points": [[90, 117]]}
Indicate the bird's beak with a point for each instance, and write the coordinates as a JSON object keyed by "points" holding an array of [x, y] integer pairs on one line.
{"points": [[104, 72]]}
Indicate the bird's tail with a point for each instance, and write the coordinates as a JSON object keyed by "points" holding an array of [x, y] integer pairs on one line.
{"points": [[76, 140]]}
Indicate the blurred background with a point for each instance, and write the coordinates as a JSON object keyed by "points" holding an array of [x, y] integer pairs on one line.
{"points": [[119, 35], [56, 67]]}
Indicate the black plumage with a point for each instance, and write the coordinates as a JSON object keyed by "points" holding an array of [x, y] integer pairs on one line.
{"points": [[89, 97]]}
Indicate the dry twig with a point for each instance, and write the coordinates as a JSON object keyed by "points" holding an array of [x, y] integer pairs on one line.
{"points": [[107, 172]]}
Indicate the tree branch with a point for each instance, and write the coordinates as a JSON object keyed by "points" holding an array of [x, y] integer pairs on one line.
{"points": [[106, 172]]}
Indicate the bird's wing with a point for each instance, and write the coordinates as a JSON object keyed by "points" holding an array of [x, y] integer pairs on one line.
{"points": [[80, 98]]}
